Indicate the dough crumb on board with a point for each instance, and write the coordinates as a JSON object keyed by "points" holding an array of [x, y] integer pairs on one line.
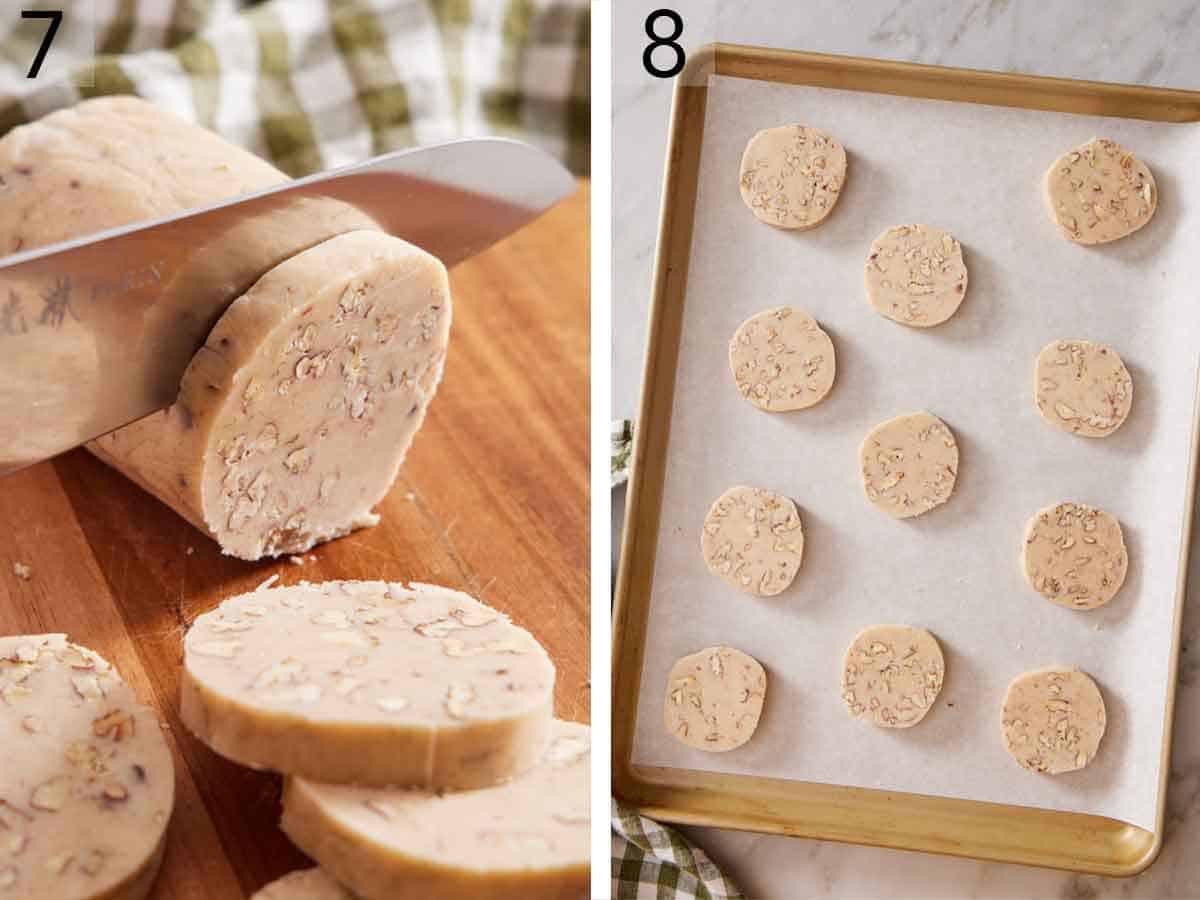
{"points": [[915, 275], [1100, 192], [1074, 555], [715, 698], [753, 540], [22, 571], [305, 884], [909, 464], [782, 360], [791, 176], [1082, 387], [1053, 719], [87, 783], [529, 837], [892, 675], [368, 682]]}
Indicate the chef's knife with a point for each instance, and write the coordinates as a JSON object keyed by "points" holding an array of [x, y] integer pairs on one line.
{"points": [[97, 332]]}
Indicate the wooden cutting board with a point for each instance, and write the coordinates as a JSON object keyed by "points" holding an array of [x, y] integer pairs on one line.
{"points": [[492, 500]]}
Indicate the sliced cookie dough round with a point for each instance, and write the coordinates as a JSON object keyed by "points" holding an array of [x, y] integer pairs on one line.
{"points": [[909, 464], [892, 675], [367, 682], [528, 837], [1075, 555], [1083, 387], [791, 176], [782, 360], [87, 783], [1100, 192], [295, 416], [306, 884], [715, 698], [916, 275], [1053, 720], [753, 540]]}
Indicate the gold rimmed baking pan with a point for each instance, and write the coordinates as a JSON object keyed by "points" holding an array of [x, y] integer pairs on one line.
{"points": [[992, 831]]}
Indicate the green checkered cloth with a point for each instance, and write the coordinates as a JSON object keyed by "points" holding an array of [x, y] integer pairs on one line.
{"points": [[313, 84], [620, 440], [654, 862]]}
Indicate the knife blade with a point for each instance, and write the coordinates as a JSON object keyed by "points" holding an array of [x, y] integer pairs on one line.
{"points": [[97, 332]]}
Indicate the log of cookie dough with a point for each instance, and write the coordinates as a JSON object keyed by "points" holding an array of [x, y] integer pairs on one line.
{"points": [[892, 675], [115, 161], [118, 160], [791, 176], [781, 360], [294, 418], [909, 464], [87, 782], [1100, 192], [526, 838], [306, 884], [1083, 387], [368, 683], [1074, 555], [1053, 719], [752, 539], [715, 698], [916, 275]]}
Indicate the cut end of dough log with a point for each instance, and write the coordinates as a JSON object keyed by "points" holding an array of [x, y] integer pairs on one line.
{"points": [[1074, 555], [782, 360], [791, 176], [528, 837], [369, 683], [1053, 720], [294, 418], [752, 539], [1100, 192], [909, 464], [87, 784], [892, 675], [715, 698]]}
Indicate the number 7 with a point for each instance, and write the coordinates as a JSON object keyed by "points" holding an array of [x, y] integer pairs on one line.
{"points": [[55, 17]]}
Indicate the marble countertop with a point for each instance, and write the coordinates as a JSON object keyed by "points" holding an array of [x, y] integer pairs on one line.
{"points": [[1155, 42]]}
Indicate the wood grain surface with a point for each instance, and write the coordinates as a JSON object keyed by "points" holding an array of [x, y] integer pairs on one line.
{"points": [[493, 500]]}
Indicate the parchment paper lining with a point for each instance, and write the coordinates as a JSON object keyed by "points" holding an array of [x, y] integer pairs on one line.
{"points": [[975, 171]]}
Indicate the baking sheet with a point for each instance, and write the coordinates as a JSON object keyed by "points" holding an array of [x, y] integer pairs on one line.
{"points": [[975, 171]]}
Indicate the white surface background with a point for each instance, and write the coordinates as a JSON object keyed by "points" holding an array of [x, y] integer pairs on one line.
{"points": [[1151, 43]]}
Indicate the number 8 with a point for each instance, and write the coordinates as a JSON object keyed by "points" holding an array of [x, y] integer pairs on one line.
{"points": [[665, 41]]}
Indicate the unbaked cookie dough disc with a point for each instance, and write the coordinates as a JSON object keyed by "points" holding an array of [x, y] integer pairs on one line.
{"points": [[909, 464], [1075, 555], [87, 782], [367, 682], [892, 675], [916, 275], [792, 176], [1053, 720], [1083, 387], [1100, 192], [306, 884], [715, 698], [753, 540], [781, 360], [527, 838]]}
